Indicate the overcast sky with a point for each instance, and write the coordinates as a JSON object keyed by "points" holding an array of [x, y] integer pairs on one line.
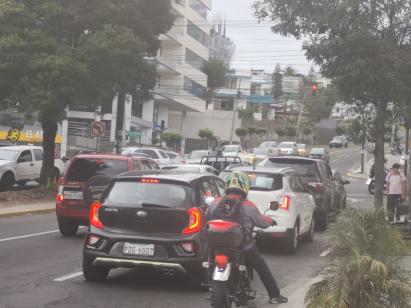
{"points": [[258, 47]]}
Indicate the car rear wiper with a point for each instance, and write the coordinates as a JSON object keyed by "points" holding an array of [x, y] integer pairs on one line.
{"points": [[143, 204]]}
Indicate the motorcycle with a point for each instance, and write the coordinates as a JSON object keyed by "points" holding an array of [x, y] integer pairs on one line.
{"points": [[397, 149], [371, 185], [230, 277]]}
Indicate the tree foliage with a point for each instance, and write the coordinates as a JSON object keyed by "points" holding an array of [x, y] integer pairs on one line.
{"points": [[363, 45], [58, 53], [216, 72], [173, 139]]}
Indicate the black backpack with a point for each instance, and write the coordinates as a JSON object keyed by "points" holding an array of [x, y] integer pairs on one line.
{"points": [[231, 210]]}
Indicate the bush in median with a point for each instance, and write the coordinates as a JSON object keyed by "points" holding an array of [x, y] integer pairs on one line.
{"points": [[364, 271]]}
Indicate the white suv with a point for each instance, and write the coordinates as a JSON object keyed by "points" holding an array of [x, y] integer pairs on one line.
{"points": [[21, 164], [279, 193]]}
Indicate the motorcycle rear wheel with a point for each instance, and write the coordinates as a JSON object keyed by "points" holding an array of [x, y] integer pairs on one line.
{"points": [[220, 295]]}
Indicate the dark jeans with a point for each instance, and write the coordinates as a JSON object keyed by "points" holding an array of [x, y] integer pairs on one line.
{"points": [[393, 203], [257, 262]]}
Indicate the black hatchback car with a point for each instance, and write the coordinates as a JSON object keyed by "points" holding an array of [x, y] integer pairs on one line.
{"points": [[150, 220]]}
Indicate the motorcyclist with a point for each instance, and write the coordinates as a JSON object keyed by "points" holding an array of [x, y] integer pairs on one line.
{"points": [[237, 187], [372, 170]]}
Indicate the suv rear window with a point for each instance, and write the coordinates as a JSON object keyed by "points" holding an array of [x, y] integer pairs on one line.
{"points": [[260, 180], [145, 195], [82, 169], [307, 170]]}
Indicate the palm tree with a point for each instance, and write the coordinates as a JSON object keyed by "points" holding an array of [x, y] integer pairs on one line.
{"points": [[365, 270]]}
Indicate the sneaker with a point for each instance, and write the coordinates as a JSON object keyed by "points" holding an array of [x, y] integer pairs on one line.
{"points": [[278, 300]]}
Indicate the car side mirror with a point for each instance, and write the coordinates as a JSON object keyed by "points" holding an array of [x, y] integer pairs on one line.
{"points": [[274, 206], [65, 159], [209, 200]]}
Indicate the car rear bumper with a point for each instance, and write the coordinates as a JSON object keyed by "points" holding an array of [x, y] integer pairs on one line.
{"points": [[72, 211], [276, 232]]}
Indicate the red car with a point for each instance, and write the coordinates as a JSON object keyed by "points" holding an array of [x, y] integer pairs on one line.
{"points": [[86, 178]]}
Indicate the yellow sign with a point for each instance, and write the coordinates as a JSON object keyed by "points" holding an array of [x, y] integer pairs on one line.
{"points": [[16, 135]]}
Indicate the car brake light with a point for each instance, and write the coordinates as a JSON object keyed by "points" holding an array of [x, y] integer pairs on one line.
{"points": [[94, 219], [195, 221], [188, 247], [151, 181], [221, 261], [60, 196], [285, 203]]}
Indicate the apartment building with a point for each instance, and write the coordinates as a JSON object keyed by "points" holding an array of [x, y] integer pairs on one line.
{"points": [[183, 50]]}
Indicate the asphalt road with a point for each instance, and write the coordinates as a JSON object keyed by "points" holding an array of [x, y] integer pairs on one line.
{"points": [[39, 268]]}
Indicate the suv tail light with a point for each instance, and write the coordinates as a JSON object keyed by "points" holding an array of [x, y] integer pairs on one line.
{"points": [[195, 221], [318, 187], [60, 196], [221, 261], [94, 219], [285, 203]]}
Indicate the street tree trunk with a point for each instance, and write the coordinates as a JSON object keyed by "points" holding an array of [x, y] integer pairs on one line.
{"points": [[47, 175], [379, 154]]}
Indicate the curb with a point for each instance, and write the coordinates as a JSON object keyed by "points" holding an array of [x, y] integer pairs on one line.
{"points": [[357, 176], [28, 212]]}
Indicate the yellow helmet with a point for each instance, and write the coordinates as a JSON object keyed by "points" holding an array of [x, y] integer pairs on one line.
{"points": [[237, 182]]}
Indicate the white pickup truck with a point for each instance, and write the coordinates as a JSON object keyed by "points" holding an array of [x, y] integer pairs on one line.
{"points": [[21, 164]]}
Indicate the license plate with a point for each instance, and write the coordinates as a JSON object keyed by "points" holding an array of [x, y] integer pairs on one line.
{"points": [[368, 182], [73, 195], [139, 249]]}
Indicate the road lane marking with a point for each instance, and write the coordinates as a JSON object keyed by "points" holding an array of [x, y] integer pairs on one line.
{"points": [[325, 253], [28, 235], [68, 277]]}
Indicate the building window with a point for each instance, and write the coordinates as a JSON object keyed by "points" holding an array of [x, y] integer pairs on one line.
{"points": [[194, 59], [199, 7], [227, 104], [193, 87], [197, 34]]}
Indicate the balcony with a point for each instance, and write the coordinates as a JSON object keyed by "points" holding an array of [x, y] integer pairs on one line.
{"points": [[179, 100]]}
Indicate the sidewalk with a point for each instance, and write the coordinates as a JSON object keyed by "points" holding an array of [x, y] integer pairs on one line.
{"points": [[24, 209]]}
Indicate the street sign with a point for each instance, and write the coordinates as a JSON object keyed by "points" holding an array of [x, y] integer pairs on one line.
{"points": [[134, 134], [98, 129]]}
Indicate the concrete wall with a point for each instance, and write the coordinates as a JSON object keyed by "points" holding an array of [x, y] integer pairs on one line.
{"points": [[216, 120]]}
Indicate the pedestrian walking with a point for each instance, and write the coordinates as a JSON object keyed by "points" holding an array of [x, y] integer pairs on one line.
{"points": [[396, 183]]}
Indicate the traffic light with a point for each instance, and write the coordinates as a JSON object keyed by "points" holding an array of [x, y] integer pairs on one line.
{"points": [[314, 89]]}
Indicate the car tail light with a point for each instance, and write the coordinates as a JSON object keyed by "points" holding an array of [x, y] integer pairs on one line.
{"points": [[151, 181], [285, 203], [318, 187], [94, 219], [195, 221], [92, 240], [221, 261], [60, 196], [188, 247]]}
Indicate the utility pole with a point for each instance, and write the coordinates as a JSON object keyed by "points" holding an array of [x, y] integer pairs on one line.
{"points": [[235, 110], [362, 146], [300, 116]]}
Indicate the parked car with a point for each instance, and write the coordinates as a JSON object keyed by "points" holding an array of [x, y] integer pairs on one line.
{"points": [[150, 220], [21, 164], [288, 149], [339, 142], [192, 168], [302, 149], [196, 156], [158, 155], [175, 158], [341, 192], [320, 153], [268, 145], [262, 153], [232, 150], [87, 177], [295, 207], [317, 176]]}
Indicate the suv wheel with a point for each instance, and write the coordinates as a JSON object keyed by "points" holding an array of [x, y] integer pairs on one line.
{"points": [[68, 227], [291, 242], [94, 273], [321, 222], [7, 181], [309, 237]]}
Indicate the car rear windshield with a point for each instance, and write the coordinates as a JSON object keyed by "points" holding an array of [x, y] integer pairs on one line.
{"points": [[307, 170], [317, 151], [261, 151], [145, 195], [286, 145], [82, 169], [261, 181]]}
